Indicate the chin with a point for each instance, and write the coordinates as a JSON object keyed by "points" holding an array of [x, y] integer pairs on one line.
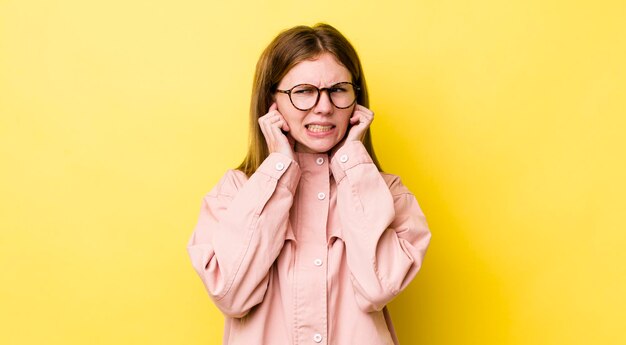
{"points": [[320, 148], [324, 150]]}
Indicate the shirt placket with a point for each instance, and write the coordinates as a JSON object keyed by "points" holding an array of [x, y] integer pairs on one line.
{"points": [[311, 253]]}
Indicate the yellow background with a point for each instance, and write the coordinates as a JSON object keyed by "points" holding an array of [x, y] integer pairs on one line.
{"points": [[506, 119]]}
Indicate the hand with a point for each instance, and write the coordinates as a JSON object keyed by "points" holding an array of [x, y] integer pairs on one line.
{"points": [[272, 125], [360, 121]]}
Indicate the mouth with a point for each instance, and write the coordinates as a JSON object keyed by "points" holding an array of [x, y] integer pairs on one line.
{"points": [[319, 128]]}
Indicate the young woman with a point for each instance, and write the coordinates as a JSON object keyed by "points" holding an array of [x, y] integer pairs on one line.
{"points": [[307, 240]]}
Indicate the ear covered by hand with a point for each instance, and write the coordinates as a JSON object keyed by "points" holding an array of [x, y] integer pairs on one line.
{"points": [[276, 132], [360, 121]]}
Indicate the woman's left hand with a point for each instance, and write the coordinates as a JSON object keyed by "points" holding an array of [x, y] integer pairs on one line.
{"points": [[359, 123]]}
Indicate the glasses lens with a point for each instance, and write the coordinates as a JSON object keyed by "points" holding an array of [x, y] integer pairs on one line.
{"points": [[304, 96], [343, 95]]}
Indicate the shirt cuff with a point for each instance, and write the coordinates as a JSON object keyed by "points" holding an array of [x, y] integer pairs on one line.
{"points": [[281, 168], [348, 156]]}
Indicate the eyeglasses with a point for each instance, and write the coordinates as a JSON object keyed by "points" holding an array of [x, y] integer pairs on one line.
{"points": [[305, 96]]}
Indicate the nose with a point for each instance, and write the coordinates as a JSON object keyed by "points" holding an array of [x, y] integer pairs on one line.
{"points": [[324, 105]]}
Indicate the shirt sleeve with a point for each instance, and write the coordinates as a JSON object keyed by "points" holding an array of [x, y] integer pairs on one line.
{"points": [[240, 232], [384, 229]]}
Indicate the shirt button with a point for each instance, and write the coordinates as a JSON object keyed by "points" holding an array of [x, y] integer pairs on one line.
{"points": [[317, 262], [321, 196], [343, 158], [317, 338], [319, 161], [280, 166]]}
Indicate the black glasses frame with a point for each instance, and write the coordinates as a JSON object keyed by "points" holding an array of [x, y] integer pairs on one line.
{"points": [[319, 92]]}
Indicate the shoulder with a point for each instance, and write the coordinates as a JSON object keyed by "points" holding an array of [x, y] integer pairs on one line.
{"points": [[396, 187]]}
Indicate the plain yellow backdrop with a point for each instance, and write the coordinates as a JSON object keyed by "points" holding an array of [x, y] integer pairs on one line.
{"points": [[505, 118]]}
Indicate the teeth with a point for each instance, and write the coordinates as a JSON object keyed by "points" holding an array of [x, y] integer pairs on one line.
{"points": [[318, 128]]}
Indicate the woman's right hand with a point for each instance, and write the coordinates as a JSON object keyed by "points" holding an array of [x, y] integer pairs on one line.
{"points": [[272, 125]]}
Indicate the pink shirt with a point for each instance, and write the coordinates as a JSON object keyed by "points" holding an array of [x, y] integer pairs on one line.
{"points": [[307, 252]]}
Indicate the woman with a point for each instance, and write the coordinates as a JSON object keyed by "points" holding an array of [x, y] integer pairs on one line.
{"points": [[307, 241]]}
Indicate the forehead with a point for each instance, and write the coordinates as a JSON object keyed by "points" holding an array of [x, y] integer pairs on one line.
{"points": [[322, 71]]}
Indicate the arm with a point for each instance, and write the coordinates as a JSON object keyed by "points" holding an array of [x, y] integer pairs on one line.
{"points": [[240, 232], [384, 229]]}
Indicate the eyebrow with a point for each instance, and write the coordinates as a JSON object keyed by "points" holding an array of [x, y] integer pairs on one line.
{"points": [[332, 84]]}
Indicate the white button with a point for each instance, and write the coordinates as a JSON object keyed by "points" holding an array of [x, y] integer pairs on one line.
{"points": [[319, 161], [317, 338], [317, 262], [280, 166], [321, 196], [343, 158]]}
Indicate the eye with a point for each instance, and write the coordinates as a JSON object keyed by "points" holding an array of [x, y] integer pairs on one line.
{"points": [[337, 89], [304, 90], [340, 88]]}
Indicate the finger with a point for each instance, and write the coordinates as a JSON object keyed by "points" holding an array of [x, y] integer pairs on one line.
{"points": [[265, 118], [363, 109], [277, 127], [272, 126], [271, 113], [356, 117], [279, 121], [266, 123], [365, 116], [269, 120], [281, 125]]}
